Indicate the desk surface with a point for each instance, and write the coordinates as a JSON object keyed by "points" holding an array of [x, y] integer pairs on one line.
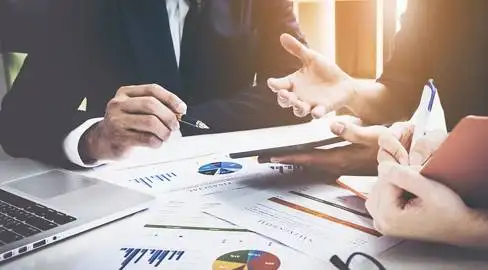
{"points": [[66, 254]]}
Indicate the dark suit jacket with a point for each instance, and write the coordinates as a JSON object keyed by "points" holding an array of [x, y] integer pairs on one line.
{"points": [[93, 47]]}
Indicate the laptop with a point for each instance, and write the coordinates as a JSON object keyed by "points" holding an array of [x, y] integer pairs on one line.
{"points": [[49, 206]]}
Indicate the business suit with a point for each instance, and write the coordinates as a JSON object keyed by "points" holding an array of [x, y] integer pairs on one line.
{"points": [[98, 46]]}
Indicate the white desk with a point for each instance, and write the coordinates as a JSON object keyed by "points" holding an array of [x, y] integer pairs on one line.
{"points": [[64, 255]]}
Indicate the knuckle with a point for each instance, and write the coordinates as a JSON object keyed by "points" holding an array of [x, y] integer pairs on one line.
{"points": [[149, 103], [122, 90], [151, 121], [153, 141], [169, 118], [152, 89], [171, 98], [165, 133], [114, 103]]}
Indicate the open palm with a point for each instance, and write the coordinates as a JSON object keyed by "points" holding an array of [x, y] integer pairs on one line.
{"points": [[319, 84]]}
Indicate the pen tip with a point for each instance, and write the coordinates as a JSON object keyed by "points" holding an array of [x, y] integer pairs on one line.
{"points": [[202, 125]]}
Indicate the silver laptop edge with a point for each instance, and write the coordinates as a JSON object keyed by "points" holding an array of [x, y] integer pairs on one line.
{"points": [[86, 199]]}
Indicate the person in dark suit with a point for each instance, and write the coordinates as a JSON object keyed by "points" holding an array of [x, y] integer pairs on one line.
{"points": [[139, 64]]}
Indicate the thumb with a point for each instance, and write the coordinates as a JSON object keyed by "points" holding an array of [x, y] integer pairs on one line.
{"points": [[392, 146], [277, 84], [295, 47], [352, 132], [405, 178]]}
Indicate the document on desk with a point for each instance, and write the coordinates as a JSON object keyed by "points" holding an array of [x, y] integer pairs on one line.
{"points": [[200, 175], [181, 148], [198, 242], [319, 220]]}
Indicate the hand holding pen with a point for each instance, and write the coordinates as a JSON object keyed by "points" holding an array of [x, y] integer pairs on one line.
{"points": [[407, 145], [141, 115]]}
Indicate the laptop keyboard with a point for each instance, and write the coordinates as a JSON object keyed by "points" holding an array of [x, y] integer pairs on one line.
{"points": [[21, 218]]}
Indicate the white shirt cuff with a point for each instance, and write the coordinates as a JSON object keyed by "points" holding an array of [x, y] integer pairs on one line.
{"points": [[70, 144]]}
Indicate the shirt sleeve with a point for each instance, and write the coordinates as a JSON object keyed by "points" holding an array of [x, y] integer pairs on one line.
{"points": [[70, 144]]}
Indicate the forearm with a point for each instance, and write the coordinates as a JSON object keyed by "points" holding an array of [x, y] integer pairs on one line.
{"points": [[376, 103]]}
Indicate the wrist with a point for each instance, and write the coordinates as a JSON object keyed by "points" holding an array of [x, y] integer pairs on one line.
{"points": [[352, 103], [87, 147]]}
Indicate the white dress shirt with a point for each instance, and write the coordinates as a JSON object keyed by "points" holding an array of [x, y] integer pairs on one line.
{"points": [[177, 10]]}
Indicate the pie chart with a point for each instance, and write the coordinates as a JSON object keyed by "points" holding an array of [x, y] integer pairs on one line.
{"points": [[247, 260], [219, 168]]}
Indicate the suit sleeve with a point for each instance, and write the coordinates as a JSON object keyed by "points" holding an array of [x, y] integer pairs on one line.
{"points": [[42, 106], [24, 24], [407, 71], [256, 107]]}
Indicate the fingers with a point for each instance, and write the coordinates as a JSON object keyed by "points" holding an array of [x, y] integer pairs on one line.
{"points": [[426, 146], [403, 131], [354, 133], [149, 124], [301, 109], [391, 147], [385, 156], [318, 112], [350, 160], [286, 99], [151, 106], [276, 84], [384, 204], [295, 47], [167, 98], [135, 138], [405, 178]]}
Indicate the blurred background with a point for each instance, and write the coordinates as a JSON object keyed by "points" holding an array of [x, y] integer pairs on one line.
{"points": [[357, 34]]}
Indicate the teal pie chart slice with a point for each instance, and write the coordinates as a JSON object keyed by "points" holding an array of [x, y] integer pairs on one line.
{"points": [[220, 168]]}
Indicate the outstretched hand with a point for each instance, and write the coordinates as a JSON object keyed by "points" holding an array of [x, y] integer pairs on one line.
{"points": [[318, 88]]}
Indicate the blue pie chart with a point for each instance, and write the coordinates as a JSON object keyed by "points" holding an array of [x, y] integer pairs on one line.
{"points": [[220, 168]]}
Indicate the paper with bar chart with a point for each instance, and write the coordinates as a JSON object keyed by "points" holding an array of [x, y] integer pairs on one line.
{"points": [[319, 220], [200, 175], [181, 248]]}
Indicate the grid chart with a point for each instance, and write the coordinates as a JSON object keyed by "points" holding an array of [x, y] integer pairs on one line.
{"points": [[154, 180], [152, 256]]}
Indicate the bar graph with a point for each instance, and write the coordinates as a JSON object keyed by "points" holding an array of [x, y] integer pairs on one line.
{"points": [[154, 257], [154, 180]]}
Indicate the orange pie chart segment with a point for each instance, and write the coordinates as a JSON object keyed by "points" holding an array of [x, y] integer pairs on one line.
{"points": [[247, 260]]}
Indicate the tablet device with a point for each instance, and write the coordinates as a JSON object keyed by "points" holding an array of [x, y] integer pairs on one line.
{"points": [[461, 162], [283, 150]]}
